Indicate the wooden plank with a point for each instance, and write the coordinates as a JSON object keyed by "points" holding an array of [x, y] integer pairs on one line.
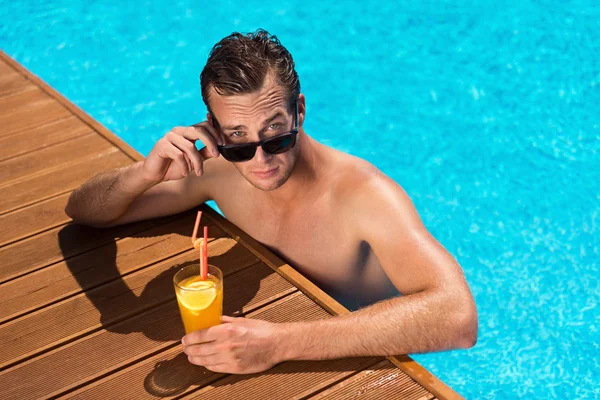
{"points": [[14, 120], [381, 381], [170, 375], [42, 136], [18, 102], [96, 267], [5, 68], [100, 353], [107, 304], [98, 127], [12, 82], [404, 362], [33, 219], [58, 181], [39, 251], [44, 160], [290, 380]]}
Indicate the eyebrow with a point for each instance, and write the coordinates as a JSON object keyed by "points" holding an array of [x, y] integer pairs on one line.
{"points": [[242, 127]]}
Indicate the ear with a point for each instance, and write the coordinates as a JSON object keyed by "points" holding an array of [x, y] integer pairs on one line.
{"points": [[301, 109], [210, 119]]}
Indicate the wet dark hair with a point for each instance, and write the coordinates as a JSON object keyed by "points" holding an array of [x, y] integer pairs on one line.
{"points": [[239, 64]]}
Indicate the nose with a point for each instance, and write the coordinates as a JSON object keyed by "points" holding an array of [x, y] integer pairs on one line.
{"points": [[261, 156]]}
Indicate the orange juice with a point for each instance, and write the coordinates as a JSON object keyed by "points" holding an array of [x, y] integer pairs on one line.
{"points": [[200, 301]]}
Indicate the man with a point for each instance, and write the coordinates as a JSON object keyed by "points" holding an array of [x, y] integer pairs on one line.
{"points": [[336, 218]]}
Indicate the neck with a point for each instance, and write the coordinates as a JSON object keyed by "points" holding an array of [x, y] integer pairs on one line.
{"points": [[300, 185]]}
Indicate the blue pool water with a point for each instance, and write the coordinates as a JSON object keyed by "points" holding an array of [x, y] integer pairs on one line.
{"points": [[486, 113]]}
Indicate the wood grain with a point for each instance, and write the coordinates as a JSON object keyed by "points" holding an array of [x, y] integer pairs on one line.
{"points": [[27, 166], [57, 181], [37, 138], [99, 353], [105, 305], [33, 219], [96, 266]]}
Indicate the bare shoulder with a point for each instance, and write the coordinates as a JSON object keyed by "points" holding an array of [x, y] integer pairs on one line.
{"points": [[358, 182], [369, 198]]}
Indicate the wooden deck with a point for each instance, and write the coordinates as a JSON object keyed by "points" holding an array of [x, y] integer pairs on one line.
{"points": [[89, 313]]}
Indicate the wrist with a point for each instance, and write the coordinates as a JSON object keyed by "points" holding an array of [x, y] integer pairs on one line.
{"points": [[286, 342], [136, 171]]}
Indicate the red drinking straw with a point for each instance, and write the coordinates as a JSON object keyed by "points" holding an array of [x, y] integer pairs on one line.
{"points": [[196, 228], [203, 247], [204, 256]]}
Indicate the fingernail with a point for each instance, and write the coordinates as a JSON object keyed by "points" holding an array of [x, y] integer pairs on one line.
{"points": [[215, 152]]}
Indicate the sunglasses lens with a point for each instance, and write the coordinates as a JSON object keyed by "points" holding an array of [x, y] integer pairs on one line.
{"points": [[238, 153], [280, 144], [245, 152]]}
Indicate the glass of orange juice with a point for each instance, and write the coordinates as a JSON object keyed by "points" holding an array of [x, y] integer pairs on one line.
{"points": [[200, 301]]}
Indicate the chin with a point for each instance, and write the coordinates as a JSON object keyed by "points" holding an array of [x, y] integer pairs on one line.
{"points": [[268, 185]]}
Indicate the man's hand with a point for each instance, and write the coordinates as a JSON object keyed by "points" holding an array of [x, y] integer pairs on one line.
{"points": [[175, 155], [238, 346]]}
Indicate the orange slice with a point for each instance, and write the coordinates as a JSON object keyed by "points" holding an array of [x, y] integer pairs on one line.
{"points": [[201, 295]]}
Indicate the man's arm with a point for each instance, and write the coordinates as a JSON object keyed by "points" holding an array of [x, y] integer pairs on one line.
{"points": [[436, 310], [120, 196], [162, 184]]}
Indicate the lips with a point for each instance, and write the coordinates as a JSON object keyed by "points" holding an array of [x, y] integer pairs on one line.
{"points": [[266, 174]]}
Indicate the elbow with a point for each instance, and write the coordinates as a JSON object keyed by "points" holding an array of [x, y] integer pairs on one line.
{"points": [[467, 327], [72, 211], [468, 338]]}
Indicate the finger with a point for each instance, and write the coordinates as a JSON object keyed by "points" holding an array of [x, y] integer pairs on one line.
{"points": [[203, 134], [201, 336], [214, 132], [213, 359], [228, 319], [178, 158], [186, 160], [192, 155], [201, 350], [205, 153], [189, 163], [210, 140], [220, 368]]}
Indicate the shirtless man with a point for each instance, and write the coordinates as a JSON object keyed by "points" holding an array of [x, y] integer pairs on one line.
{"points": [[336, 218]]}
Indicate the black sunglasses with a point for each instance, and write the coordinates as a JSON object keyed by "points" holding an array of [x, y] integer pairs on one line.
{"points": [[273, 145]]}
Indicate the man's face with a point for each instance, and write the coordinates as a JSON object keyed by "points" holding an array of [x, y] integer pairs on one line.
{"points": [[253, 117]]}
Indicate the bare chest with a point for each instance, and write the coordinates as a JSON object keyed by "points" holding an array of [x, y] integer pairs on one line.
{"points": [[319, 244], [309, 238]]}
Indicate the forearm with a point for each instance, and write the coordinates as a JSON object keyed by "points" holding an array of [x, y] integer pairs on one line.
{"points": [[417, 323], [106, 197]]}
